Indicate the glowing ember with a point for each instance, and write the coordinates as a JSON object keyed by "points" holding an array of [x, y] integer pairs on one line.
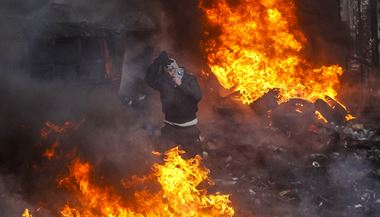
{"points": [[299, 107], [320, 117], [349, 117], [53, 128], [49, 153], [50, 128], [178, 195], [26, 213], [259, 49]]}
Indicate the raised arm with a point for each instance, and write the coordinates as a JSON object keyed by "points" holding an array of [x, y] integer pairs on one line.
{"points": [[153, 74]]}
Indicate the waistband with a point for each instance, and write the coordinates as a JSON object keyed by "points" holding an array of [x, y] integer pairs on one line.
{"points": [[187, 124]]}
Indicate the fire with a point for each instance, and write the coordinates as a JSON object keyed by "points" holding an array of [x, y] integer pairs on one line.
{"points": [[299, 107], [320, 117], [26, 213], [50, 152], [259, 49], [170, 190], [53, 131], [349, 117], [178, 194]]}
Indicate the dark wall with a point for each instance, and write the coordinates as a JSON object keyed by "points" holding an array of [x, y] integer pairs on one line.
{"points": [[328, 37]]}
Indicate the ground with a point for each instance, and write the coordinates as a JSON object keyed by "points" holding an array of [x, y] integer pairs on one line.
{"points": [[324, 170]]}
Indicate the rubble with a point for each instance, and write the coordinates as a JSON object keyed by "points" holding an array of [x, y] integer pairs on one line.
{"points": [[354, 152]]}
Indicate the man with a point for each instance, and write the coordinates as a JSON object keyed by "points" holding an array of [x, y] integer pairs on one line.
{"points": [[180, 94]]}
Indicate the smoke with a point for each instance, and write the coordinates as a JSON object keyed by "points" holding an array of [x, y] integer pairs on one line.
{"points": [[118, 138], [328, 37], [185, 26], [115, 139], [348, 188]]}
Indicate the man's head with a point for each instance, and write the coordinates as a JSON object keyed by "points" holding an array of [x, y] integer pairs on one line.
{"points": [[171, 67]]}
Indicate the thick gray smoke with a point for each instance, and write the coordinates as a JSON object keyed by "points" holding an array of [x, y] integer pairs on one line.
{"points": [[113, 136]]}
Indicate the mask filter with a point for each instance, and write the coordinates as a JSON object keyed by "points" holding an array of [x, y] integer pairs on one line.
{"points": [[180, 72]]}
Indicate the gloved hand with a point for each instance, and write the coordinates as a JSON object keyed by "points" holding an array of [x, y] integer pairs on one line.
{"points": [[163, 58]]}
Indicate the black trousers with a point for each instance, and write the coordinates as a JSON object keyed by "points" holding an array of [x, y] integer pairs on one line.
{"points": [[187, 138]]}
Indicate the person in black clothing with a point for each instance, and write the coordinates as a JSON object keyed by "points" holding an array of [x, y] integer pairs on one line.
{"points": [[180, 94]]}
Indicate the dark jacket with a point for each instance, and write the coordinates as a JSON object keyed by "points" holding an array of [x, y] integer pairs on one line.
{"points": [[179, 103]]}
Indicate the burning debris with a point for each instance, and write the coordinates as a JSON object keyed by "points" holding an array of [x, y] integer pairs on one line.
{"points": [[176, 187], [260, 48], [258, 52], [176, 195]]}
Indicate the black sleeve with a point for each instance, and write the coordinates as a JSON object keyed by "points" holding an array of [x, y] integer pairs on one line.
{"points": [[190, 87], [152, 76]]}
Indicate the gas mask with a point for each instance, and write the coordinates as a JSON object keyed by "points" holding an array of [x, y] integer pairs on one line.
{"points": [[179, 72], [172, 65]]}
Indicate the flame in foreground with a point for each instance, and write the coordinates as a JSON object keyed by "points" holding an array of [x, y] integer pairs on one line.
{"points": [[259, 49], [26, 213], [178, 195]]}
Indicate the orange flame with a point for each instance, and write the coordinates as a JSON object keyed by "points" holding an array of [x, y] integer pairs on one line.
{"points": [[50, 152], [26, 213], [178, 195], [259, 49], [320, 117], [51, 130], [349, 117], [299, 107]]}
